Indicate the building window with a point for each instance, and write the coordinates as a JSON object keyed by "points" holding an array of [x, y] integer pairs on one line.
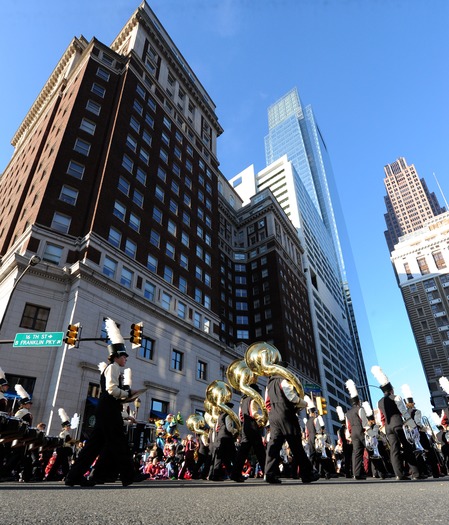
{"points": [[127, 163], [134, 123], [159, 409], [68, 195], [149, 291], [93, 107], [138, 198], [166, 301], [168, 274], [157, 215], [155, 238], [242, 334], [201, 371], [152, 263], [35, 317], [146, 351], [119, 210], [88, 126], [115, 237], [134, 222], [131, 142], [422, 264], [177, 359], [123, 185], [184, 261], [197, 320], [170, 250], [53, 253], [109, 267], [98, 90], [75, 169], [126, 278], [130, 248], [81, 146], [141, 176], [182, 309], [61, 222], [439, 260], [182, 285]]}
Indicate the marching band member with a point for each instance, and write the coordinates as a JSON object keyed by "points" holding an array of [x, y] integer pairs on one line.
{"points": [[251, 436], [393, 415], [374, 444], [345, 443], [4, 385], [356, 422], [224, 445], [108, 434], [282, 401], [24, 405], [64, 452]]}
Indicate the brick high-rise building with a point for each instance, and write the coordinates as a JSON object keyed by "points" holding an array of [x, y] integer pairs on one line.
{"points": [[409, 202], [115, 184]]}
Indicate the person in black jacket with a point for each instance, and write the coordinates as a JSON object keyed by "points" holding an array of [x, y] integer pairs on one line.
{"points": [[224, 446], [107, 436], [356, 422], [251, 436], [393, 419], [282, 402]]}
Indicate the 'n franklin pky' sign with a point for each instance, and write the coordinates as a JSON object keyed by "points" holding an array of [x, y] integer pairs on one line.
{"points": [[39, 339]]}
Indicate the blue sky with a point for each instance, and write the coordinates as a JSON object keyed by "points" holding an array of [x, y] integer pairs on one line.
{"points": [[374, 71]]}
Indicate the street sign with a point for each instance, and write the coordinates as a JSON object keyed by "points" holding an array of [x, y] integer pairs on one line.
{"points": [[39, 339], [314, 389]]}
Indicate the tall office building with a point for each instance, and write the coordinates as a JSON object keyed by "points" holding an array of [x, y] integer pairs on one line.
{"points": [[421, 261], [409, 202], [298, 174], [417, 236], [114, 184]]}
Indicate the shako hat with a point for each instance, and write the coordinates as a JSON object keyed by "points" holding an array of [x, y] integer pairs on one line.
{"points": [[383, 380], [117, 347]]}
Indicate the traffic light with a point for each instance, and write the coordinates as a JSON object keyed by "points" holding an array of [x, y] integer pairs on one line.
{"points": [[136, 335], [72, 335], [321, 405]]}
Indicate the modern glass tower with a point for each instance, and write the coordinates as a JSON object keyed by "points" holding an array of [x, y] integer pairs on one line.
{"points": [[298, 174]]}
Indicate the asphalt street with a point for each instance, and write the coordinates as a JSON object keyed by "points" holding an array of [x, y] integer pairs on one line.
{"points": [[337, 501]]}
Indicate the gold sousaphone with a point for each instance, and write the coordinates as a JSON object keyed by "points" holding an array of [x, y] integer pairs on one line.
{"points": [[196, 423], [263, 358], [218, 393], [240, 376]]}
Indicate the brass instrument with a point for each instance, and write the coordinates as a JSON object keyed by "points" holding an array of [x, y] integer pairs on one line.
{"points": [[196, 423], [218, 393], [262, 359], [372, 443], [240, 376], [320, 444]]}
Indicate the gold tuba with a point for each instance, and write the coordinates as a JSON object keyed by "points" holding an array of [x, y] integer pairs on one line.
{"points": [[218, 393], [262, 359], [196, 423], [240, 376]]}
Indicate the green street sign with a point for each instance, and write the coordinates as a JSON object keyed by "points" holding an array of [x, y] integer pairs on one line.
{"points": [[42, 339]]}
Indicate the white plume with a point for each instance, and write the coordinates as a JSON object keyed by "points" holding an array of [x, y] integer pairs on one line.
{"points": [[2, 374], [113, 331], [444, 384], [63, 415], [102, 366], [407, 391], [127, 377], [367, 408], [310, 403], [305, 420], [320, 421], [379, 375], [21, 392], [378, 417], [340, 413], [352, 389], [74, 422]]}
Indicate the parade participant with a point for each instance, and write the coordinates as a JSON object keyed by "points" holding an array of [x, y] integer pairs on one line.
{"points": [[282, 402], [374, 445], [24, 405], [224, 445], [444, 384], [64, 453], [427, 459], [394, 415], [356, 422], [108, 435], [251, 436], [4, 385], [204, 457], [345, 443]]}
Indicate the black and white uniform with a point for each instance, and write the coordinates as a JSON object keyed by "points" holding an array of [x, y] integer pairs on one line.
{"points": [[356, 421], [251, 437], [224, 445], [392, 420], [281, 400], [107, 436]]}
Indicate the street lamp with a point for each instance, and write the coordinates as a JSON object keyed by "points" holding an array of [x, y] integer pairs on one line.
{"points": [[34, 260]]}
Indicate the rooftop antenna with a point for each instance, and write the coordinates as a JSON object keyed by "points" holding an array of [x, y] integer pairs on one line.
{"points": [[441, 191]]}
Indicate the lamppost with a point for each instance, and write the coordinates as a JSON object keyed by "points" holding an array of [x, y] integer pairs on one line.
{"points": [[34, 260]]}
